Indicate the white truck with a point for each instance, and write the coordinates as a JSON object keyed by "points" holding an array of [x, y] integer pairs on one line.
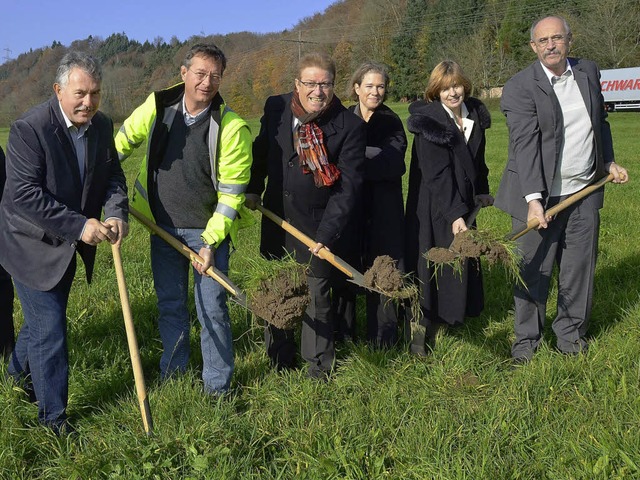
{"points": [[621, 88]]}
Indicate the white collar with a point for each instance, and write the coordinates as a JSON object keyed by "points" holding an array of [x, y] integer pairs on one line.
{"points": [[83, 128], [467, 123], [550, 75], [191, 119], [464, 111]]}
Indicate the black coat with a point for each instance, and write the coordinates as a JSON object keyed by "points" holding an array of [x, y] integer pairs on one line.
{"points": [[320, 213], [445, 175], [378, 228]]}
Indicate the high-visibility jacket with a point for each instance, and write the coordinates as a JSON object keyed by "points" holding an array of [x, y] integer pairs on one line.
{"points": [[229, 143]]}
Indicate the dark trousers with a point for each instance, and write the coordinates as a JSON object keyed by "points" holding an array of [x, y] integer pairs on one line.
{"points": [[316, 340], [571, 242], [7, 333], [381, 311], [41, 352]]}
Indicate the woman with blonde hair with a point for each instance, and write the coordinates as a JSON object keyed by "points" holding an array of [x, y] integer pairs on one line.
{"points": [[448, 179]]}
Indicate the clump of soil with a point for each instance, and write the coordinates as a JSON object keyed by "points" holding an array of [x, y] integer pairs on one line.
{"points": [[384, 275], [474, 243], [471, 244], [282, 299], [498, 253], [467, 245], [440, 255]]}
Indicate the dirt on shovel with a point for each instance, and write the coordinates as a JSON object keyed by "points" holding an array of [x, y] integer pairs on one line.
{"points": [[471, 244], [385, 277], [282, 300]]}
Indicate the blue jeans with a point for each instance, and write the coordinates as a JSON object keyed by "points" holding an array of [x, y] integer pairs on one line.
{"points": [[41, 350], [171, 277]]}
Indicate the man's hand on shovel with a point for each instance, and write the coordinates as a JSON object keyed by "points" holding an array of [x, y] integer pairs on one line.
{"points": [[208, 260]]}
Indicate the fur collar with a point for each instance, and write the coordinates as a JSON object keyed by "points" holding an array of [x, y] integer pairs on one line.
{"points": [[429, 120]]}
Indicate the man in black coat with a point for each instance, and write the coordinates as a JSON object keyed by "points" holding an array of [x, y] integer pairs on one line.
{"points": [[62, 168], [316, 193]]}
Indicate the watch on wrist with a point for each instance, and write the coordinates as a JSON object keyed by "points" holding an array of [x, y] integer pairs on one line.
{"points": [[207, 246]]}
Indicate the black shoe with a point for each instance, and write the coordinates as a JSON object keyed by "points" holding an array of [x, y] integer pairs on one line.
{"points": [[519, 361], [61, 429], [418, 350], [321, 376]]}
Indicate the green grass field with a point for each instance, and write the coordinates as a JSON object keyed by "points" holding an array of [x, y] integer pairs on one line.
{"points": [[461, 413]]}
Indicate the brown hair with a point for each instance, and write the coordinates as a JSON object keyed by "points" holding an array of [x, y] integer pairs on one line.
{"points": [[358, 77], [207, 50], [443, 76], [318, 60]]}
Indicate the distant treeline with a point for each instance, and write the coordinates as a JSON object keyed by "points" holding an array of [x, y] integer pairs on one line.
{"points": [[489, 38]]}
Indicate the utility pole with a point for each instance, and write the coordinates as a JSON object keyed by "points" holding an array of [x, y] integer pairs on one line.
{"points": [[299, 42], [7, 54]]}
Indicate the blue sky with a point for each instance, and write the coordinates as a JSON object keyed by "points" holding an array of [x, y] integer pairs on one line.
{"points": [[31, 24]]}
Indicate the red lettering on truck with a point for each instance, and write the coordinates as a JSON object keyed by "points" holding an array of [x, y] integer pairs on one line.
{"points": [[619, 85]]}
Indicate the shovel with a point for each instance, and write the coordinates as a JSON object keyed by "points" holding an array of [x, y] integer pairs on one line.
{"points": [[238, 296], [533, 223], [134, 351], [353, 275]]}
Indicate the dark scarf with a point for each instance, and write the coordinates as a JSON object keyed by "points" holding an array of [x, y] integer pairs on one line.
{"points": [[309, 141]]}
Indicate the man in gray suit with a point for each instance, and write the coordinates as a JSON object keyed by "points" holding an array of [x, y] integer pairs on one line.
{"points": [[62, 168], [559, 142]]}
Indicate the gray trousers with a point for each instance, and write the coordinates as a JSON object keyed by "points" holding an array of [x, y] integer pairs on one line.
{"points": [[571, 242]]}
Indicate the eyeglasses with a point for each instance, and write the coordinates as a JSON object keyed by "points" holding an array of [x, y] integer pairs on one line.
{"points": [[214, 77], [313, 85], [543, 42]]}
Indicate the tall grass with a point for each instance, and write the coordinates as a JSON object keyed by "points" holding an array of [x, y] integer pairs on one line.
{"points": [[461, 413]]}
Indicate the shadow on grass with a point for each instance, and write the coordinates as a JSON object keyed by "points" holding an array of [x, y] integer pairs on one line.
{"points": [[100, 364], [616, 288], [493, 329]]}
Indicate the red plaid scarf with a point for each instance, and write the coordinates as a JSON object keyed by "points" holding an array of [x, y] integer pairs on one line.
{"points": [[309, 141]]}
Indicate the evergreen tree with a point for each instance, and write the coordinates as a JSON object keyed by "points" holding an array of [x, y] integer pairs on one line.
{"points": [[407, 77]]}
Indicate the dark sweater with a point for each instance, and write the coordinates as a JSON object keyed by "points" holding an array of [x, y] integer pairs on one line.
{"points": [[185, 196]]}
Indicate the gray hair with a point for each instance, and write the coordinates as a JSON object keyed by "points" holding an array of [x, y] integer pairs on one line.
{"points": [[81, 60], [208, 50], [564, 23]]}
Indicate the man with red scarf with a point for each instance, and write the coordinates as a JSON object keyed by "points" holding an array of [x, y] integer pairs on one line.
{"points": [[311, 148]]}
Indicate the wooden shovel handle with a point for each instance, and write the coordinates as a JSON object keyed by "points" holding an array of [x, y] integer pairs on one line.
{"points": [[531, 224], [214, 273], [134, 351], [325, 254]]}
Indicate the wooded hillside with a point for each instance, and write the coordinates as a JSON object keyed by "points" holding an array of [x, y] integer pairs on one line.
{"points": [[488, 37]]}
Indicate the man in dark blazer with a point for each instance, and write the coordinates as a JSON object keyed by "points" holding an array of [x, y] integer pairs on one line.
{"points": [[7, 334], [559, 142], [62, 168], [293, 192]]}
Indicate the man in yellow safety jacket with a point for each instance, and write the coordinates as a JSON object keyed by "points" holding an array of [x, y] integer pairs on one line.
{"points": [[192, 183]]}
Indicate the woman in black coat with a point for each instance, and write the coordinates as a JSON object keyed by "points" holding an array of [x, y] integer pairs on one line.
{"points": [[448, 177], [378, 227]]}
